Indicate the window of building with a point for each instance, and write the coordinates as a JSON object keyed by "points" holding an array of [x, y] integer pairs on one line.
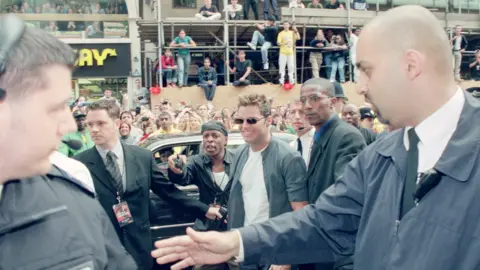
{"points": [[185, 3]]}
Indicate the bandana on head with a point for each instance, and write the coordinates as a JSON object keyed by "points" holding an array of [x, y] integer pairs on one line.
{"points": [[214, 125]]}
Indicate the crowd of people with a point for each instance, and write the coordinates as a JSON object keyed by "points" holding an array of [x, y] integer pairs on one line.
{"points": [[347, 192]]}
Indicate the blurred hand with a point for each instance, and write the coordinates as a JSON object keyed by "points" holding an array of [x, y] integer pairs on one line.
{"points": [[213, 213], [171, 162], [197, 248], [280, 267]]}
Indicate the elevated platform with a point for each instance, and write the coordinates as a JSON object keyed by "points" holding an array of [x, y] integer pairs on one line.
{"points": [[326, 18], [226, 96]]}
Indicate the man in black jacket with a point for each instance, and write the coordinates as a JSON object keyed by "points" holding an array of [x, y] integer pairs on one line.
{"points": [[210, 172], [123, 176], [48, 219], [351, 115]]}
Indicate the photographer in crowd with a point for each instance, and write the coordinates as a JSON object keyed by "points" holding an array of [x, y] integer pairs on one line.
{"points": [[210, 171]]}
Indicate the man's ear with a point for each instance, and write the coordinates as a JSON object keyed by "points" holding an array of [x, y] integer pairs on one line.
{"points": [[117, 123], [268, 121]]}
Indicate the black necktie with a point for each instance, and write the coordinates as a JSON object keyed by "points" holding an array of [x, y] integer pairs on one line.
{"points": [[408, 200], [112, 167], [299, 146]]}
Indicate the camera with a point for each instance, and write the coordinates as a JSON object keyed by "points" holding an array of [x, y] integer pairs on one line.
{"points": [[224, 212], [179, 164]]}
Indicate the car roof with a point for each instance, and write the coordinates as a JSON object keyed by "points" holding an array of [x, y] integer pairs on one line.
{"points": [[155, 142]]}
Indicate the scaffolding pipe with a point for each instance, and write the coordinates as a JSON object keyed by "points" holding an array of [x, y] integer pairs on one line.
{"points": [[303, 54], [226, 41], [159, 75], [234, 44]]}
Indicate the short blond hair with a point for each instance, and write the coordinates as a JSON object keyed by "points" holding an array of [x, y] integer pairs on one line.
{"points": [[258, 100]]}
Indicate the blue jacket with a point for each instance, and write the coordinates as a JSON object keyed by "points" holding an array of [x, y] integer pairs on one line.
{"points": [[359, 212]]}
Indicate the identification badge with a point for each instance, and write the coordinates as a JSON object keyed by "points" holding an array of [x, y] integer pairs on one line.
{"points": [[122, 213]]}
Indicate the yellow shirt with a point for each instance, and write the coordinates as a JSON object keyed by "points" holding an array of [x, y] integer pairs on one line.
{"points": [[286, 40], [377, 126], [161, 131]]}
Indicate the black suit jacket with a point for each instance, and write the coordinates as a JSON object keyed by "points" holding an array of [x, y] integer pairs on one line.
{"points": [[142, 175], [337, 146]]}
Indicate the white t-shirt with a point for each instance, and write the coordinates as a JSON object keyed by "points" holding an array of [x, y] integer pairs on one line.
{"points": [[254, 191], [221, 179], [458, 43]]}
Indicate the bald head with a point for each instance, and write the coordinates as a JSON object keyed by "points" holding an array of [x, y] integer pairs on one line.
{"points": [[412, 27], [321, 85], [351, 114]]}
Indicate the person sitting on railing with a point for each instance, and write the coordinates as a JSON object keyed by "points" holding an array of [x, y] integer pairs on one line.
{"points": [[207, 78], [333, 4], [296, 4], [267, 40], [183, 42], [243, 68], [286, 40], [208, 12], [169, 69], [94, 30], [234, 10], [360, 5], [475, 67], [98, 9], [314, 4], [26, 8]]}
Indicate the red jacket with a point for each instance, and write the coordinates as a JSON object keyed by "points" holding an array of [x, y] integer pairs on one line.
{"points": [[167, 62]]}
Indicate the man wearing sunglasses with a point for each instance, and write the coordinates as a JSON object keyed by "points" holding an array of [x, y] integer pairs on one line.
{"points": [[268, 176]]}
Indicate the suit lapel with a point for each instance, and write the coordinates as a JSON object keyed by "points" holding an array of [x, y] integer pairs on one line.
{"points": [[318, 147], [131, 167], [98, 169]]}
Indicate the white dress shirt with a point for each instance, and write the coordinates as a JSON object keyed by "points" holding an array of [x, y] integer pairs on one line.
{"points": [[118, 151], [434, 132], [307, 141], [74, 168]]}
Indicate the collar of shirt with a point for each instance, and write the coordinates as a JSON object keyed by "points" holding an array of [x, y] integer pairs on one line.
{"points": [[117, 150], [436, 131], [322, 129], [309, 134]]}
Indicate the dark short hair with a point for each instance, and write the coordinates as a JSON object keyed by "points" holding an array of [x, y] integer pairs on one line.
{"points": [[126, 112], [25, 72], [110, 106]]}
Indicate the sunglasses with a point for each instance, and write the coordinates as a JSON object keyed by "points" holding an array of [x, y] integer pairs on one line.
{"points": [[250, 121]]}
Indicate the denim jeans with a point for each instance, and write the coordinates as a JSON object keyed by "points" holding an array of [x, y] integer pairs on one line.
{"points": [[338, 64], [170, 75], [266, 8], [183, 65], [259, 39], [327, 59], [209, 90], [246, 9]]}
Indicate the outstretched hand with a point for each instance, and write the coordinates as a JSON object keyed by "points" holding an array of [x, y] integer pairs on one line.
{"points": [[197, 248]]}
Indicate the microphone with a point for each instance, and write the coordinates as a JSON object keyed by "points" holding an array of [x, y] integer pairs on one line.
{"points": [[74, 144]]}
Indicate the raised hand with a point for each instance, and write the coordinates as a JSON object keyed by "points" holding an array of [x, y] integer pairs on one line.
{"points": [[197, 248]]}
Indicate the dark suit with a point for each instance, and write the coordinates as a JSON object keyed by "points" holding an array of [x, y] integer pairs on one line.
{"points": [[337, 146], [142, 175], [339, 143]]}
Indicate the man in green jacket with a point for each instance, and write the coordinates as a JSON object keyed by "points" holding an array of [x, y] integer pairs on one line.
{"points": [[81, 135]]}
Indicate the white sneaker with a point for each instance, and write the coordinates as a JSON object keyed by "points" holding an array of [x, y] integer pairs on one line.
{"points": [[266, 66], [253, 47]]}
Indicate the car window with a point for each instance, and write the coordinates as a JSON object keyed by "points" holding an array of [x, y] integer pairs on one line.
{"points": [[161, 154]]}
